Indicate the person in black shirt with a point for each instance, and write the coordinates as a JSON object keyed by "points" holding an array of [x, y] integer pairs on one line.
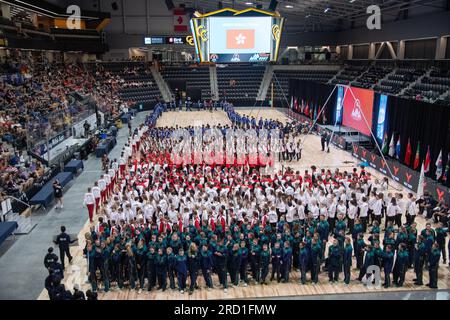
{"points": [[57, 191], [63, 241], [77, 294], [50, 258], [91, 295]]}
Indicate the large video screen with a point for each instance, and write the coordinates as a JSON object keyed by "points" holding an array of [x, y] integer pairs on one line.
{"points": [[235, 38], [239, 38], [360, 100]]}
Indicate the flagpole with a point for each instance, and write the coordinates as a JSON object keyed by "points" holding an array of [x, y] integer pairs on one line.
{"points": [[371, 132], [318, 116], [335, 122]]}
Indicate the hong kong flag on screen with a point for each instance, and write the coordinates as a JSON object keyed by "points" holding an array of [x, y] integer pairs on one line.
{"points": [[240, 39], [180, 20]]}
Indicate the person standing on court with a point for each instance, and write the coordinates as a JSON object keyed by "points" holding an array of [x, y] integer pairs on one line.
{"points": [[50, 258], [57, 192], [323, 140], [433, 261], [347, 260], [63, 241], [77, 293], [89, 202]]}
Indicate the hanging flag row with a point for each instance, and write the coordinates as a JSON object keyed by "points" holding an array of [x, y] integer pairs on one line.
{"points": [[310, 110], [393, 149]]}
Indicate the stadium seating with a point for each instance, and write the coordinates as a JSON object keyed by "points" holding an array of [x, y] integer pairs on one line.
{"points": [[239, 83], [196, 77], [281, 79]]}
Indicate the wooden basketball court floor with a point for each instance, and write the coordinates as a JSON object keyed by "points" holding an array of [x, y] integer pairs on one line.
{"points": [[311, 155]]}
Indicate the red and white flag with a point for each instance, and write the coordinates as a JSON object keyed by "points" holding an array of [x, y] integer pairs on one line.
{"points": [[427, 161], [180, 20]]}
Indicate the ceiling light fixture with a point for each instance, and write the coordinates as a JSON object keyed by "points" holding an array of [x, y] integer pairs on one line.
{"points": [[327, 9], [289, 6], [249, 3], [308, 15]]}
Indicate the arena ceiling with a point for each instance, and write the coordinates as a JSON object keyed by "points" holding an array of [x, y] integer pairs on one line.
{"points": [[324, 15]]}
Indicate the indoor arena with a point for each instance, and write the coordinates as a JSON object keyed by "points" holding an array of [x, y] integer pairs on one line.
{"points": [[224, 150]]}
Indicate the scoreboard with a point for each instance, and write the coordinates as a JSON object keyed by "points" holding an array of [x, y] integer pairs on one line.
{"points": [[231, 36]]}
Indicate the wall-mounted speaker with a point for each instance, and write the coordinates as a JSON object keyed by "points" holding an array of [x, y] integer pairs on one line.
{"points": [[170, 5], [114, 6], [273, 5]]}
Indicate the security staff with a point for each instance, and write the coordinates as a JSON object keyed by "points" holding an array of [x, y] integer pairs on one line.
{"points": [[50, 258], [276, 261], [63, 241], [51, 282], [334, 256], [77, 293], [347, 260], [419, 260], [433, 261]]}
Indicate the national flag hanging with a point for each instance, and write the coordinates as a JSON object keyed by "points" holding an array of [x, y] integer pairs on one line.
{"points": [[446, 176], [427, 161], [421, 182], [324, 116], [408, 153], [392, 146], [417, 158], [180, 20], [439, 166], [385, 146], [315, 112], [296, 104], [303, 106], [307, 109], [398, 149]]}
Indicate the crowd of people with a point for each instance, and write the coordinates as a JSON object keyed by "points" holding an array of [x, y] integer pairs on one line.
{"points": [[161, 224], [36, 104]]}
